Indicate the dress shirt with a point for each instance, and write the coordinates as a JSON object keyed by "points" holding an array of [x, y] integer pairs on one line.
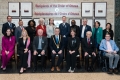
{"points": [[83, 30]]}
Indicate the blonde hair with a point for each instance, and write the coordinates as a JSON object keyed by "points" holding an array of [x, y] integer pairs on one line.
{"points": [[41, 19], [89, 32], [23, 32]]}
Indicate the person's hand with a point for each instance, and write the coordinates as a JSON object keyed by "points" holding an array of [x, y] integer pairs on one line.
{"points": [[26, 50], [108, 51], [35, 52], [7, 52], [86, 53], [42, 52], [93, 53], [70, 51], [114, 52], [53, 51], [60, 52], [73, 52]]}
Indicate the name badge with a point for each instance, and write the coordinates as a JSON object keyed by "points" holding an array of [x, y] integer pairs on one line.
{"points": [[91, 43]]}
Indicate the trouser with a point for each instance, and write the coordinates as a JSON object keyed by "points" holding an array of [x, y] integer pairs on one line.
{"points": [[87, 60], [6, 58], [23, 59], [60, 59], [42, 59], [49, 50], [111, 57], [71, 60]]}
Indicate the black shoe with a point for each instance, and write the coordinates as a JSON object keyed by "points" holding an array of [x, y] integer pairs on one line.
{"points": [[91, 69], [34, 70], [110, 71], [43, 69], [88, 69]]}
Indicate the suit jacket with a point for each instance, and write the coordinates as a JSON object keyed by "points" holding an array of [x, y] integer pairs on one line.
{"points": [[110, 32], [89, 48], [21, 45], [103, 45], [99, 34], [36, 43], [5, 26], [87, 28], [64, 29], [53, 45], [73, 45], [18, 32]]}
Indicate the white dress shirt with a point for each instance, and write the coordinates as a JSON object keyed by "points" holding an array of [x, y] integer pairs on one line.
{"points": [[83, 29]]}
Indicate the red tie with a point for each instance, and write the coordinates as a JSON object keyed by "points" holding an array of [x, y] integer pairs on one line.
{"points": [[88, 41]]}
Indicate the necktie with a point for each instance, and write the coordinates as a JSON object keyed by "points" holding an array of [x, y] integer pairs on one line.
{"points": [[88, 41], [57, 39], [10, 25]]}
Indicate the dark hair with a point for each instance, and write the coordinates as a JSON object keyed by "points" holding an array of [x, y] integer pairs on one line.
{"points": [[49, 21], [110, 26], [33, 23], [20, 20], [6, 33], [98, 23], [57, 28], [8, 16], [107, 34], [63, 16], [73, 31]]}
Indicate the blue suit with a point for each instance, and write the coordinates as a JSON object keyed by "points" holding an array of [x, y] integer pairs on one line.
{"points": [[87, 28]]}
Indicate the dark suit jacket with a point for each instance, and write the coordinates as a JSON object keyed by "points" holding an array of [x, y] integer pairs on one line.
{"points": [[87, 28], [53, 46], [75, 45], [18, 32], [6, 26], [64, 30], [110, 32], [86, 47], [21, 46], [36, 42]]}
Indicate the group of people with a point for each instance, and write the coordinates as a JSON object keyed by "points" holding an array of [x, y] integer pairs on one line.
{"points": [[63, 40]]}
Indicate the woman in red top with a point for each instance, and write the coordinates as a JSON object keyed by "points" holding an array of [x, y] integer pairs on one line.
{"points": [[42, 26]]}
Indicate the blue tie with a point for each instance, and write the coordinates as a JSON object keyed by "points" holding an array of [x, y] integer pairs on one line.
{"points": [[10, 25], [57, 39]]}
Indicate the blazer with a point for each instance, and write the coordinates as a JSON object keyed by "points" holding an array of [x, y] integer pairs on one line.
{"points": [[87, 28], [99, 34], [53, 45], [89, 48], [18, 32], [103, 45], [36, 42], [76, 28], [8, 44], [110, 32], [64, 30], [21, 45], [73, 45], [31, 32], [5, 26]]}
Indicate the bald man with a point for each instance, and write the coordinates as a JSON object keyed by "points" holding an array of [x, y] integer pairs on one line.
{"points": [[89, 50], [40, 44]]}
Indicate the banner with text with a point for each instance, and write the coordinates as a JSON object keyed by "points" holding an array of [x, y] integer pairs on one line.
{"points": [[57, 9]]}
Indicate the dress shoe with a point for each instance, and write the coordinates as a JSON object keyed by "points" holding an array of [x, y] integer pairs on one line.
{"points": [[34, 70], [69, 69], [43, 69], [88, 69], [4, 68], [57, 68], [115, 71], [91, 69], [110, 71], [52, 69]]}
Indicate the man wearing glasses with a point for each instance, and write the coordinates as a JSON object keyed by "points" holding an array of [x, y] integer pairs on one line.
{"points": [[110, 50]]}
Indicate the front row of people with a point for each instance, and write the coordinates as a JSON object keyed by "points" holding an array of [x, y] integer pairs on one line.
{"points": [[40, 44]]}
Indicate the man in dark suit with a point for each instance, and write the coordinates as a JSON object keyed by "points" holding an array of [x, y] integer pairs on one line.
{"points": [[18, 30], [57, 46], [65, 31], [7, 25], [83, 29], [39, 47], [89, 50]]}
